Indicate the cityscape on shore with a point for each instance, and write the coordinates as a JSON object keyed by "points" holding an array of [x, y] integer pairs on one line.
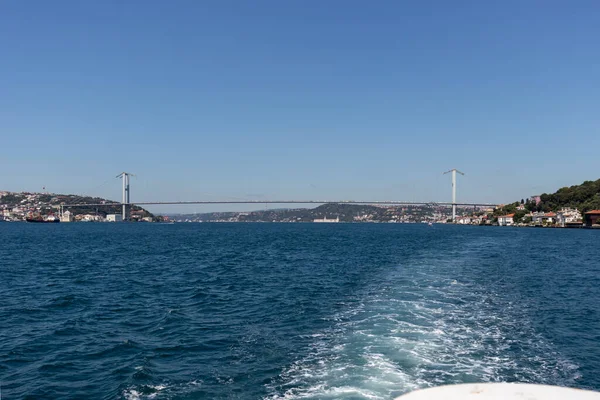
{"points": [[20, 206], [330, 213], [569, 207]]}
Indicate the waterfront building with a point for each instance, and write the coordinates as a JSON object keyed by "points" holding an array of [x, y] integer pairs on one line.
{"points": [[324, 219], [506, 220], [550, 217], [567, 215], [67, 216], [592, 218], [463, 220], [114, 217]]}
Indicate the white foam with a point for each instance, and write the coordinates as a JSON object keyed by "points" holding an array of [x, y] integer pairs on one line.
{"points": [[137, 393], [131, 394], [388, 345]]}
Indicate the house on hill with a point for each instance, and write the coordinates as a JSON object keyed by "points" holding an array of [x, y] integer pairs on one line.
{"points": [[536, 199]]}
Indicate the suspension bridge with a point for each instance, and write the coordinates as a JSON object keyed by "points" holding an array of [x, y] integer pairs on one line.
{"points": [[126, 203]]}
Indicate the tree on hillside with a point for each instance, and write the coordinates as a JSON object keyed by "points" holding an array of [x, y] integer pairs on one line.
{"points": [[510, 208], [530, 206], [519, 216], [592, 204], [11, 198]]}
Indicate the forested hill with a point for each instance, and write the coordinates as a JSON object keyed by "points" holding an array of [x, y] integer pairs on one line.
{"points": [[345, 213], [584, 197]]}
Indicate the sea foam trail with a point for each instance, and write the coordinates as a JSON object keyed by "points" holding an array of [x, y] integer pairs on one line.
{"points": [[420, 330]]}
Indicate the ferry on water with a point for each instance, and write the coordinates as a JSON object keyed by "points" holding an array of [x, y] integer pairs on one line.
{"points": [[37, 218]]}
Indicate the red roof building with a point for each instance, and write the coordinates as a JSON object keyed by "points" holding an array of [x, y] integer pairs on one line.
{"points": [[592, 217]]}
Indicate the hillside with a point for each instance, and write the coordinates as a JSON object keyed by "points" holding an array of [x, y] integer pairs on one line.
{"points": [[345, 213], [584, 197], [46, 203]]}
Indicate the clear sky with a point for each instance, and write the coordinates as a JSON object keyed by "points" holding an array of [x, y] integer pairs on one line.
{"points": [[208, 100]]}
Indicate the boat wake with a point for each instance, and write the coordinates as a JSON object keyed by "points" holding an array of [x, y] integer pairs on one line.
{"points": [[427, 332]]}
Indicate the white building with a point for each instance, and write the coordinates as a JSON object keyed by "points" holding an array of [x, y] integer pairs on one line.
{"points": [[506, 220], [476, 220], [91, 218], [66, 217], [537, 217], [463, 220], [540, 218], [567, 215], [114, 217], [337, 219]]}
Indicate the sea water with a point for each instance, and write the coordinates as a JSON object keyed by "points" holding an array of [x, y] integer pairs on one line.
{"points": [[292, 311]]}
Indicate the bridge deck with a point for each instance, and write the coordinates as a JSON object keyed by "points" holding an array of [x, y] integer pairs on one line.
{"points": [[399, 203]]}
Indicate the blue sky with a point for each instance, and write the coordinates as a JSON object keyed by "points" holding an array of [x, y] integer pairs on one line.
{"points": [[299, 99]]}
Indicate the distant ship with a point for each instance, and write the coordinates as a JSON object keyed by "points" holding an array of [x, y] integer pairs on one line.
{"points": [[336, 219], [51, 219]]}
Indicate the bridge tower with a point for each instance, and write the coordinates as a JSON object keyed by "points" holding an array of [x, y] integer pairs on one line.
{"points": [[454, 171], [125, 176]]}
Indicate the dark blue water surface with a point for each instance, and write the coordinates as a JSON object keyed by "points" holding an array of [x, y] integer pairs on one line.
{"points": [[285, 311]]}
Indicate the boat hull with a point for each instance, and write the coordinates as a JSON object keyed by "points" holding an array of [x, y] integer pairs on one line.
{"points": [[38, 221]]}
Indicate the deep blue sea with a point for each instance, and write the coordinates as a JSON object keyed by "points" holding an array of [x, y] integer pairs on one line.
{"points": [[290, 311]]}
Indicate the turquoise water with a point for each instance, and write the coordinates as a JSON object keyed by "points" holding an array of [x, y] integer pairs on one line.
{"points": [[288, 311]]}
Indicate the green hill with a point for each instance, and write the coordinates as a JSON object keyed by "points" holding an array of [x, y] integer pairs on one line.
{"points": [[584, 197], [345, 213]]}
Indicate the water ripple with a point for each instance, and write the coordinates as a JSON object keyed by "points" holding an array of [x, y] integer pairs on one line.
{"points": [[280, 311]]}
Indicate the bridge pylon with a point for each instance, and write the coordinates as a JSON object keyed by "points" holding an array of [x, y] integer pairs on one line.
{"points": [[125, 176], [454, 171]]}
